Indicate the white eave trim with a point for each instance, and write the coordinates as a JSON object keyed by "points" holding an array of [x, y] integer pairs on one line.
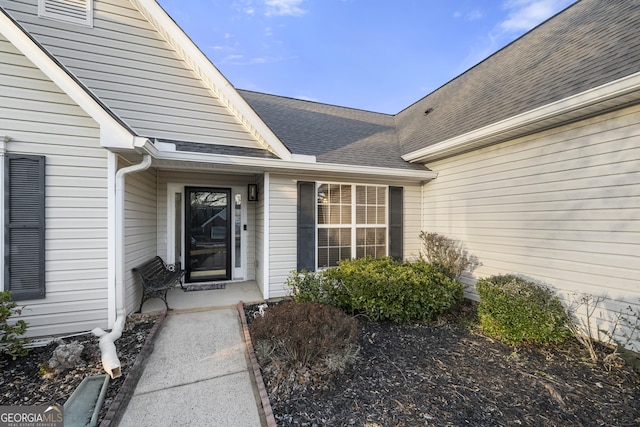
{"points": [[211, 76], [573, 103], [164, 153], [112, 133]]}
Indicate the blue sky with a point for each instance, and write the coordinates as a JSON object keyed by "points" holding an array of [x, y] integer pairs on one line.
{"points": [[377, 55]]}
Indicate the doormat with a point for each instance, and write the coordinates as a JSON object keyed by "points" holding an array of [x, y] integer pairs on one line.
{"points": [[205, 287]]}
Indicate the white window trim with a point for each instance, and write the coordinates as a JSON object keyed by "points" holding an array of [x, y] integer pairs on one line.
{"points": [[87, 10], [354, 225]]}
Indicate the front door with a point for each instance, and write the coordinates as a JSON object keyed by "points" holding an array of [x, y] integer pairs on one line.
{"points": [[208, 234]]}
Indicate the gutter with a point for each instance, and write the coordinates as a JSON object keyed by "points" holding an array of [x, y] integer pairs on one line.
{"points": [[110, 361], [166, 151]]}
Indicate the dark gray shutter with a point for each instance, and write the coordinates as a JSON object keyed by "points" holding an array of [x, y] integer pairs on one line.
{"points": [[306, 226], [396, 243], [24, 182]]}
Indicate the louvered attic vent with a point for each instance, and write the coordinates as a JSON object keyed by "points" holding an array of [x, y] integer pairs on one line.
{"points": [[73, 11]]}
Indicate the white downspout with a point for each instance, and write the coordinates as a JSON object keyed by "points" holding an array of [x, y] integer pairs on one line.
{"points": [[110, 361]]}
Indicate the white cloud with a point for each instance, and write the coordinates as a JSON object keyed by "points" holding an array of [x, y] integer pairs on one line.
{"points": [[474, 14], [526, 14], [471, 15], [284, 7]]}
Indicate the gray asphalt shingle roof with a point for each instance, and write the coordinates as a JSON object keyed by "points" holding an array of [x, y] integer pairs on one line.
{"points": [[591, 43], [332, 134]]}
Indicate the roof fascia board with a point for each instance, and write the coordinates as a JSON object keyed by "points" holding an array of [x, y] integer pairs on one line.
{"points": [[112, 133], [465, 142], [211, 76], [284, 166]]}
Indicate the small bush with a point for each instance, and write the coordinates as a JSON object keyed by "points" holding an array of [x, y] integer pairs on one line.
{"points": [[447, 254], [518, 311], [10, 342], [385, 289], [306, 334], [310, 286]]}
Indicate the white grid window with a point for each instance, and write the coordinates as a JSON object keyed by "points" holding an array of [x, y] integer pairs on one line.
{"points": [[348, 217]]}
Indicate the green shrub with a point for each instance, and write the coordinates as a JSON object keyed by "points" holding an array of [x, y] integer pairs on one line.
{"points": [[309, 286], [10, 342], [518, 311], [447, 254], [306, 334], [385, 289]]}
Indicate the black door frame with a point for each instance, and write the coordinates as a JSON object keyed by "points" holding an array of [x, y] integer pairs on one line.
{"points": [[187, 233]]}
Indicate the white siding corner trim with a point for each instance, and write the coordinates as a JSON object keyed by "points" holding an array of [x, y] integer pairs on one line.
{"points": [[266, 291], [78, 12]]}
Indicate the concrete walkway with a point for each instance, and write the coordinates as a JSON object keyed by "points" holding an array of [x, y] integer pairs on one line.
{"points": [[197, 375]]}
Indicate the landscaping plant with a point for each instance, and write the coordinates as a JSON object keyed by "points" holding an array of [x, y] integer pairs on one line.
{"points": [[306, 334], [11, 342], [518, 311], [447, 254], [386, 289]]}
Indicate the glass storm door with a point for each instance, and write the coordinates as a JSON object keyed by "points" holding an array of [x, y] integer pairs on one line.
{"points": [[208, 219]]}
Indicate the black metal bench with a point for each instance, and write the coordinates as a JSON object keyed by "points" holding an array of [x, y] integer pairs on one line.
{"points": [[157, 278]]}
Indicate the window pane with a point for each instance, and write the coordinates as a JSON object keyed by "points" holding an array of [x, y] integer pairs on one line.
{"points": [[346, 215], [371, 214], [323, 214], [372, 198], [334, 194], [345, 237], [334, 214], [334, 237], [323, 237], [361, 214], [323, 193], [346, 195], [361, 195], [323, 258], [382, 192], [382, 215], [381, 236]]}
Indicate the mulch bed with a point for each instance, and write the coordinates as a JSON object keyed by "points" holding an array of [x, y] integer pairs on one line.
{"points": [[25, 382], [447, 373]]}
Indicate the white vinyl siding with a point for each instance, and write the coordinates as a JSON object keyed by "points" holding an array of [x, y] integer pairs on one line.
{"points": [[41, 120], [282, 228], [127, 64], [411, 226], [561, 207], [140, 229], [260, 256]]}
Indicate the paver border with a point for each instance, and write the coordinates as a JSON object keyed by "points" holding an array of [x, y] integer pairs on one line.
{"points": [[257, 375]]}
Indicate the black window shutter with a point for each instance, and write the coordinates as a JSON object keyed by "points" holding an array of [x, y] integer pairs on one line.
{"points": [[396, 243], [306, 226], [24, 224]]}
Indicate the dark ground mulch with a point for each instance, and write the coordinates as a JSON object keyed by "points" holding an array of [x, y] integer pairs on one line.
{"points": [[24, 380], [448, 374]]}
